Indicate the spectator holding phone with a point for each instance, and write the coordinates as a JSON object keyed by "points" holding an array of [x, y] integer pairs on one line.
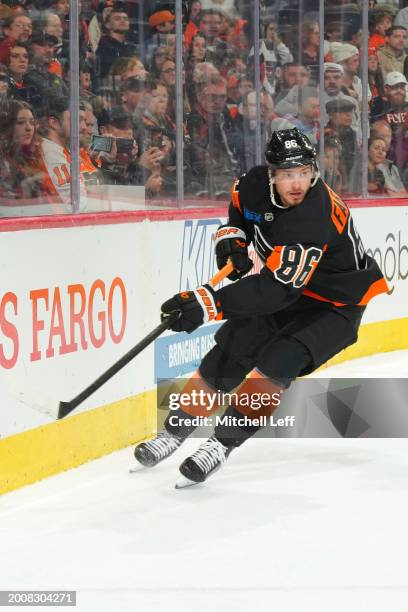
{"points": [[124, 165]]}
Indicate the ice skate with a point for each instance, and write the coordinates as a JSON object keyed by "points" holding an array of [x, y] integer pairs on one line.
{"points": [[206, 460], [153, 451]]}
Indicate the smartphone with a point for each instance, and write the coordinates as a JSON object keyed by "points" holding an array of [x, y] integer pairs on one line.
{"points": [[125, 145], [101, 143]]}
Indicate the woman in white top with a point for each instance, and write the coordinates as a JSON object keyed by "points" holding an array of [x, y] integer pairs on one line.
{"points": [[377, 151]]}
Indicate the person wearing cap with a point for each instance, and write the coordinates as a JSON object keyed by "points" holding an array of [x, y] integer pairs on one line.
{"points": [[340, 112], [39, 80], [162, 23], [348, 57], [391, 56], [53, 27], [333, 90], [395, 89], [113, 43], [394, 111]]}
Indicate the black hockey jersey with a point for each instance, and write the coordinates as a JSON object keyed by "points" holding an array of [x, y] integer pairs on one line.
{"points": [[311, 249]]}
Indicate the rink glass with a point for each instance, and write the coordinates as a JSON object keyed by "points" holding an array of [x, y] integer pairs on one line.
{"points": [[189, 100]]}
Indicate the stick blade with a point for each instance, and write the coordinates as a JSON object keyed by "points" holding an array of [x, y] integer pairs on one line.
{"points": [[64, 408]]}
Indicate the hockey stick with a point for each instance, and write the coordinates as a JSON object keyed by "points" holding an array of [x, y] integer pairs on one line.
{"points": [[66, 407], [59, 409]]}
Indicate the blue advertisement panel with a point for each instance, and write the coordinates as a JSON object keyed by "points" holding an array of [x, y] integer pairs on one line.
{"points": [[180, 354]]}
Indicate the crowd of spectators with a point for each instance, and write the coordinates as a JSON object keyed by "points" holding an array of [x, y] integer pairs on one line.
{"points": [[127, 80]]}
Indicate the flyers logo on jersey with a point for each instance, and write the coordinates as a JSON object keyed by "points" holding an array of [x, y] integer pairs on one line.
{"points": [[235, 195], [339, 211]]}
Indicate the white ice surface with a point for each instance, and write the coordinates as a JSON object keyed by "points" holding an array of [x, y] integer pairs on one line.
{"points": [[382, 365], [288, 525]]}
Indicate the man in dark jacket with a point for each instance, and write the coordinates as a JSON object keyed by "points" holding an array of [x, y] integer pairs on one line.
{"points": [[113, 44]]}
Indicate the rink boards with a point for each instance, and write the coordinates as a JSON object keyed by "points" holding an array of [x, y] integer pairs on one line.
{"points": [[77, 293]]}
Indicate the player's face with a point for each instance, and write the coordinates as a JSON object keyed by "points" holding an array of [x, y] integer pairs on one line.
{"points": [[24, 127], [293, 184]]}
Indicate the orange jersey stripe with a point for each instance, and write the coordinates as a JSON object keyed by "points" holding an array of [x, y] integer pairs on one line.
{"points": [[235, 196], [274, 260], [380, 286], [339, 212], [315, 296]]}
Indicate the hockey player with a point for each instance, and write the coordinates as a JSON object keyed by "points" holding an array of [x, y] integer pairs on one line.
{"points": [[303, 307]]}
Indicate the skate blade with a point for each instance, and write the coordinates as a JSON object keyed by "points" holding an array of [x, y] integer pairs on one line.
{"points": [[184, 482], [137, 468]]}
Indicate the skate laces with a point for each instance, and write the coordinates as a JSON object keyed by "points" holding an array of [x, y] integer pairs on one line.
{"points": [[209, 454], [163, 444]]}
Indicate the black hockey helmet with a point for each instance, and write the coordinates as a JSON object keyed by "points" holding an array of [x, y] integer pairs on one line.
{"points": [[290, 149]]}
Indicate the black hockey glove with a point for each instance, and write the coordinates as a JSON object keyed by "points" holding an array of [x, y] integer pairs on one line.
{"points": [[231, 243], [195, 307]]}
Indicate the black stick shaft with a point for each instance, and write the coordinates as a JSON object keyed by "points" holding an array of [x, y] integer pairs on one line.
{"points": [[67, 407]]}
